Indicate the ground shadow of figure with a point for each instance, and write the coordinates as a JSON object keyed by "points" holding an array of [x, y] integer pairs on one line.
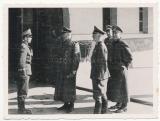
{"points": [[46, 111], [47, 99], [12, 87]]}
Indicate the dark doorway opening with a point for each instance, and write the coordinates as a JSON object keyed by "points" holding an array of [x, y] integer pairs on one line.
{"points": [[45, 24]]}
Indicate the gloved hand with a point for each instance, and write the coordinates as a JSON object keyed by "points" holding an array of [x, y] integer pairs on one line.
{"points": [[22, 71], [70, 75]]}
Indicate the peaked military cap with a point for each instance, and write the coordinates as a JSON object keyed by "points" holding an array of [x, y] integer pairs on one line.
{"points": [[96, 30], [65, 30], [108, 27], [27, 33], [116, 28]]}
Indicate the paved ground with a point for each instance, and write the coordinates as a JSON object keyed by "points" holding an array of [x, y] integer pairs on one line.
{"points": [[140, 80], [40, 101], [40, 98]]}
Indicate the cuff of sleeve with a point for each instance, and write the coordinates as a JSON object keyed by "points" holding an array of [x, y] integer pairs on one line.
{"points": [[74, 72]]}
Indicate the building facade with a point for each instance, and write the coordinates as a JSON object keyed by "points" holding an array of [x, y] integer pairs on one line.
{"points": [[46, 24], [136, 23]]}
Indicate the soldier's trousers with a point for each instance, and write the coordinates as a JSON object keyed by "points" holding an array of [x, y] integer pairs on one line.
{"points": [[99, 95], [23, 85], [99, 91]]}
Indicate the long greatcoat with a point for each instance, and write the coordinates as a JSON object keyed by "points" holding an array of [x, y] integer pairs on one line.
{"points": [[68, 62], [118, 62]]}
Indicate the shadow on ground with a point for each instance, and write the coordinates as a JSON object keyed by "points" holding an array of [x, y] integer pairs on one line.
{"points": [[44, 111], [47, 99], [52, 109], [32, 84]]}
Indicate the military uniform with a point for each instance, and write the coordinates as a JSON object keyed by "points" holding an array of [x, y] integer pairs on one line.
{"points": [[108, 42], [118, 63], [68, 63], [26, 54], [69, 56], [24, 72], [99, 73]]}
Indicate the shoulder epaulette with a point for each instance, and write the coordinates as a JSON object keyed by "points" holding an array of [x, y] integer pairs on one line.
{"points": [[23, 45], [73, 43], [124, 43]]}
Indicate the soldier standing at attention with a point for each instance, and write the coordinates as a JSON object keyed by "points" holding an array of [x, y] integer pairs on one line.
{"points": [[119, 60], [99, 72], [24, 69], [69, 58]]}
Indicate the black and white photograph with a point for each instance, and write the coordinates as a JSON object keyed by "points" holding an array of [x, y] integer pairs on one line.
{"points": [[64, 60]]}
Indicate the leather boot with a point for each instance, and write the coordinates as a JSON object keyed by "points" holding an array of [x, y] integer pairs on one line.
{"points": [[118, 105], [21, 106], [122, 109], [105, 109], [71, 107], [98, 107], [64, 107]]}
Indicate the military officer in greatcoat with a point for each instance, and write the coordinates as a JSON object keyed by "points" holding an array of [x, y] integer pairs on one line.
{"points": [[118, 63], [108, 31], [99, 72], [68, 63], [24, 71]]}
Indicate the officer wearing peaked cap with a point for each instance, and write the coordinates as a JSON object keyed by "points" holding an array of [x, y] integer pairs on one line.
{"points": [[108, 27], [24, 70], [96, 30], [117, 28], [108, 30], [27, 33], [99, 72], [119, 60], [108, 41], [69, 57]]}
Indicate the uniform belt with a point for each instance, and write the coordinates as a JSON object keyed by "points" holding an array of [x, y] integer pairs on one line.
{"points": [[28, 62], [114, 60]]}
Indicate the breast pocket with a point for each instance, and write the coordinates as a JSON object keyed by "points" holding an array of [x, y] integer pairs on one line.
{"points": [[22, 72], [28, 57]]}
